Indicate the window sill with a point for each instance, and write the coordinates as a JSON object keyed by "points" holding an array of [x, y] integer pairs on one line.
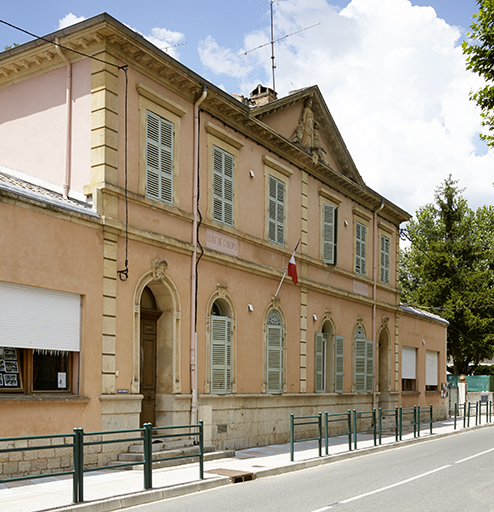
{"points": [[410, 392], [42, 398]]}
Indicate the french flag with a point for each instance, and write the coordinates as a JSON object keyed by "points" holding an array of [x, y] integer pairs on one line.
{"points": [[292, 267]]}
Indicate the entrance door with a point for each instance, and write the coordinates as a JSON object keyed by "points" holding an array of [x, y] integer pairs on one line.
{"points": [[148, 366]]}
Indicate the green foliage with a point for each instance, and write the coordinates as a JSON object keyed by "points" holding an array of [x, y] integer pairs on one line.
{"points": [[449, 268], [484, 369], [479, 51], [9, 47]]}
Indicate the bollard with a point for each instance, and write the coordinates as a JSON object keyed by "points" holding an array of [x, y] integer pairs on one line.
{"points": [[374, 425], [201, 449], [380, 426], [456, 407], [355, 429], [326, 431], [319, 421]]}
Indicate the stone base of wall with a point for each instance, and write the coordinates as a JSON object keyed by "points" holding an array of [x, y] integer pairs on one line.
{"points": [[230, 422]]}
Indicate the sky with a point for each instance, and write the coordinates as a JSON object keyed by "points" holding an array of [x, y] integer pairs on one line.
{"points": [[391, 71]]}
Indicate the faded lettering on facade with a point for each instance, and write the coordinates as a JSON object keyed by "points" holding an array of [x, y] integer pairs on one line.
{"points": [[221, 242]]}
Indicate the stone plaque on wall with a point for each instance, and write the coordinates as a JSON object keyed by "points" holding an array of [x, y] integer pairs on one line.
{"points": [[221, 242], [360, 288]]}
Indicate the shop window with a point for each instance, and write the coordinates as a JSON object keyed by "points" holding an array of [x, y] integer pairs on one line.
{"points": [[41, 350]]}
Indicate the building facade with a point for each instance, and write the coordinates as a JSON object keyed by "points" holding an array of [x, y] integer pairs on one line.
{"points": [[147, 220]]}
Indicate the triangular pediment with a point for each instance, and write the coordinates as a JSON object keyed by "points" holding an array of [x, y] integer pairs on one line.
{"points": [[303, 118]]}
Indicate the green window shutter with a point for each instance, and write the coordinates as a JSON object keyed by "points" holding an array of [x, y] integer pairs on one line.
{"points": [[369, 366], [329, 234], [360, 366], [319, 363], [159, 158], [274, 379], [384, 259], [276, 211], [339, 352], [220, 354], [223, 169], [361, 236]]}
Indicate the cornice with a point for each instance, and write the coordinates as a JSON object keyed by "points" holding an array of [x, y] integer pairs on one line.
{"points": [[105, 34]]}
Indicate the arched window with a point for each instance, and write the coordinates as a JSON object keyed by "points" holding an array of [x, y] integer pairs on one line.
{"points": [[274, 355], [221, 348]]}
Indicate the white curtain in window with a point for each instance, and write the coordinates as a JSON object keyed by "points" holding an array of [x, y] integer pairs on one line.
{"points": [[38, 318], [408, 363]]}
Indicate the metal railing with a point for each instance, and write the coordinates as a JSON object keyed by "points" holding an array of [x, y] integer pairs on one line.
{"points": [[469, 410], [361, 422], [80, 439], [296, 421]]}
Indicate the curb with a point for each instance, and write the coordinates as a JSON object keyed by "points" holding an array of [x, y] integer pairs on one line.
{"points": [[152, 495]]}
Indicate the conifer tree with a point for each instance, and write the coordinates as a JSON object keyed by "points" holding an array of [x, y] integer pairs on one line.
{"points": [[449, 270]]}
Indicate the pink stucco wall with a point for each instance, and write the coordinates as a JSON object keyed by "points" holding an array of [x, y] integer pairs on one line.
{"points": [[33, 125]]}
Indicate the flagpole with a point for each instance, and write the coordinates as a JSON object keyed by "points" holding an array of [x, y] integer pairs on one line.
{"points": [[281, 282], [286, 270]]}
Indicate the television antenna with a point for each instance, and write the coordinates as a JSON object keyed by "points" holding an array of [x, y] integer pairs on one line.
{"points": [[273, 40]]}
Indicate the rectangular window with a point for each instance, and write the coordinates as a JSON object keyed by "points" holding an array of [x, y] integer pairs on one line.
{"points": [[329, 216], [408, 369], [221, 349], [364, 366], [384, 259], [360, 248], [159, 158], [223, 168], [276, 211], [41, 339], [431, 371]]}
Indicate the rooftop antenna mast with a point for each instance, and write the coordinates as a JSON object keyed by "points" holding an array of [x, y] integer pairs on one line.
{"points": [[273, 40]]}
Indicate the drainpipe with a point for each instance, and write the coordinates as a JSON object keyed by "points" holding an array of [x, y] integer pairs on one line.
{"points": [[193, 297], [374, 287], [68, 134]]}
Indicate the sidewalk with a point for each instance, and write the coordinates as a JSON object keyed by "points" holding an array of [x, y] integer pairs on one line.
{"points": [[108, 490]]}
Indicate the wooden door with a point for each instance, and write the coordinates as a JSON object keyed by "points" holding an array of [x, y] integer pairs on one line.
{"points": [[148, 366]]}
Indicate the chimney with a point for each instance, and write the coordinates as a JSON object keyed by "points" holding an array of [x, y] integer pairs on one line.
{"points": [[262, 95]]}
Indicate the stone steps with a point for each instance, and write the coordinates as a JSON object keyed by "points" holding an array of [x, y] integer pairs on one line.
{"points": [[186, 454]]}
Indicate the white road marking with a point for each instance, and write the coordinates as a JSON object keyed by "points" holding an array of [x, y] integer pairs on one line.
{"points": [[422, 475], [396, 484], [473, 456]]}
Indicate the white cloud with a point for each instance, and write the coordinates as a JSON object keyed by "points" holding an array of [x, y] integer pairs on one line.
{"points": [[394, 78], [70, 19], [166, 40]]}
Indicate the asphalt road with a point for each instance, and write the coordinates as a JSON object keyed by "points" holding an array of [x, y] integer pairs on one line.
{"points": [[451, 473]]}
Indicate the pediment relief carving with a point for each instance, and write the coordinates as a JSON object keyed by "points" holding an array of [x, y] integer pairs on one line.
{"points": [[306, 134]]}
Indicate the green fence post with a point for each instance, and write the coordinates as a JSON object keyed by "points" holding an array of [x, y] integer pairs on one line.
{"points": [[374, 425], [414, 421], [431, 416], [148, 455], [78, 465], [418, 420], [400, 421], [396, 423], [291, 438], [326, 432], [319, 421], [201, 449], [354, 429], [349, 430], [380, 425]]}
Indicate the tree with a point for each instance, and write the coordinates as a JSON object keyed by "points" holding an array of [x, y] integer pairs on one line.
{"points": [[449, 270], [480, 57]]}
